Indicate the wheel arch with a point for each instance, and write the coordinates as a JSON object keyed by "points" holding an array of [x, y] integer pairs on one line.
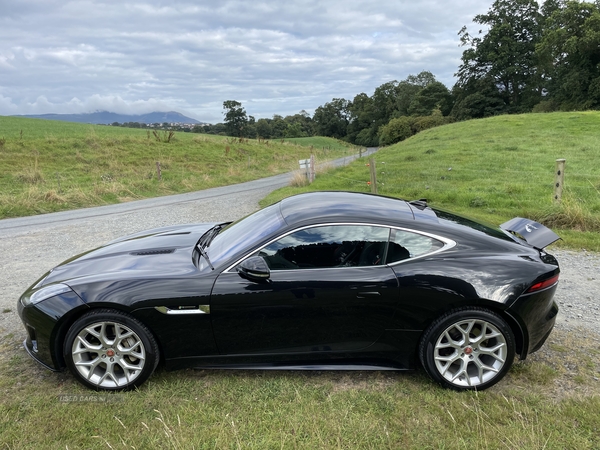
{"points": [[519, 331], [62, 328]]}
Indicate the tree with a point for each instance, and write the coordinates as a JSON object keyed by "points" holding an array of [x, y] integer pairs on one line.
{"points": [[263, 128], [332, 118], [362, 129], [235, 118], [570, 53], [433, 96], [506, 53]]}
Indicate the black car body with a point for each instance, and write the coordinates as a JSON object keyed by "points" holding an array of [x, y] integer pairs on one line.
{"points": [[325, 280]]}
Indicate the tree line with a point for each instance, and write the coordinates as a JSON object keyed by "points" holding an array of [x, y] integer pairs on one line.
{"points": [[525, 57]]}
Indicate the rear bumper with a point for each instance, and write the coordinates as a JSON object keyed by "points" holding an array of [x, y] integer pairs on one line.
{"points": [[536, 314]]}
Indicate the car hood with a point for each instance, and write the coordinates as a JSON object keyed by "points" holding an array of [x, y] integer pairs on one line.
{"points": [[161, 251]]}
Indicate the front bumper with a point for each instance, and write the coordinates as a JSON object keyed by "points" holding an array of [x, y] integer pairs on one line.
{"points": [[44, 323]]}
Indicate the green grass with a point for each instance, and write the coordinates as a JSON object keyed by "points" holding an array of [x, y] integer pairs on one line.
{"points": [[493, 169], [540, 404], [48, 166]]}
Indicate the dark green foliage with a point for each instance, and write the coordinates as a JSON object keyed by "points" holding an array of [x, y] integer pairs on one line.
{"points": [[531, 58], [396, 130], [332, 118], [235, 118], [433, 96], [570, 54], [505, 55], [402, 128]]}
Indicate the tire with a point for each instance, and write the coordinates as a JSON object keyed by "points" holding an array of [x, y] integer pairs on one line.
{"points": [[110, 350], [467, 349]]}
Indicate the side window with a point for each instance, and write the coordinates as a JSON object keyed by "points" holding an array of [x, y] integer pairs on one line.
{"points": [[405, 244], [328, 246]]}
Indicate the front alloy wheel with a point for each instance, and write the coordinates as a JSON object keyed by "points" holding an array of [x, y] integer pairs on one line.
{"points": [[110, 350], [468, 349]]}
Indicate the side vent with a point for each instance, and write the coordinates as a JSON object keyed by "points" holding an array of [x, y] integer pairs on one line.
{"points": [[153, 252]]}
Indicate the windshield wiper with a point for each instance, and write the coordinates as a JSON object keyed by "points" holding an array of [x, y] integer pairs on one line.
{"points": [[206, 239], [210, 235], [205, 255]]}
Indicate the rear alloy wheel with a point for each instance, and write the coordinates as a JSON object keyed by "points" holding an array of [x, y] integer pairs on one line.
{"points": [[110, 350], [468, 349]]}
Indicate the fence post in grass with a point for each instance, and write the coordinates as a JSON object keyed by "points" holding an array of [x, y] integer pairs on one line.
{"points": [[158, 172], [373, 175], [559, 180], [305, 164], [311, 177]]}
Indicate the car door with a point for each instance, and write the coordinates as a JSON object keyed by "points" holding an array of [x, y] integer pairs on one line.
{"points": [[329, 291]]}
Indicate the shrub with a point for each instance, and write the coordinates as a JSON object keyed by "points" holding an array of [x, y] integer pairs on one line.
{"points": [[396, 130]]}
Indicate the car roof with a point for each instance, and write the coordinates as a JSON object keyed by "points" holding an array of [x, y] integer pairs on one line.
{"points": [[344, 206]]}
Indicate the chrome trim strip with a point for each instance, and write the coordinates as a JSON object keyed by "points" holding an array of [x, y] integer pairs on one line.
{"points": [[448, 244], [202, 309]]}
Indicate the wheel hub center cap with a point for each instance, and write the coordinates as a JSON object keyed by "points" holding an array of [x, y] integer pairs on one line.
{"points": [[110, 352], [468, 350]]}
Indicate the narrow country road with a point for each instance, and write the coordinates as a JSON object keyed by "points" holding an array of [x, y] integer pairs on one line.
{"points": [[30, 246]]}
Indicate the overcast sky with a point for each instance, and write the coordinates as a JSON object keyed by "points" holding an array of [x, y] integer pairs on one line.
{"points": [[274, 56]]}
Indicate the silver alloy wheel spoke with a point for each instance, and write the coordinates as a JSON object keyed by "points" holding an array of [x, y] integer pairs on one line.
{"points": [[470, 352], [108, 354]]}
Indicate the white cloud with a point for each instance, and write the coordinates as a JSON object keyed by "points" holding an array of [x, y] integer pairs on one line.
{"points": [[275, 57]]}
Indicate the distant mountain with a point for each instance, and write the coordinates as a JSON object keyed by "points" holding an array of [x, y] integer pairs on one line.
{"points": [[105, 117]]}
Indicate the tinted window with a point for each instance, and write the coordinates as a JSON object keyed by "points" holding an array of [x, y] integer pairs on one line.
{"points": [[405, 244], [328, 246], [447, 218], [245, 232]]}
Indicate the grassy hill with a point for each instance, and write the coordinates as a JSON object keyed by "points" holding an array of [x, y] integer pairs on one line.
{"points": [[493, 169], [50, 166]]}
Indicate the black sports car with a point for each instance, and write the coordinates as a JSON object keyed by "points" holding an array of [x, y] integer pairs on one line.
{"points": [[324, 280]]}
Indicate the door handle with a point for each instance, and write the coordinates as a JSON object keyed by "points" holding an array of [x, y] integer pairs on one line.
{"points": [[368, 294]]}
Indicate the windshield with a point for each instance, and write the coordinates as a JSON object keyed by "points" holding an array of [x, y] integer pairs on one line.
{"points": [[245, 232]]}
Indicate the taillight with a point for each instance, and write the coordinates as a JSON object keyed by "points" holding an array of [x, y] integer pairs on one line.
{"points": [[543, 284]]}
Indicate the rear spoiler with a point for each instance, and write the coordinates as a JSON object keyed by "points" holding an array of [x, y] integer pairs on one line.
{"points": [[535, 234]]}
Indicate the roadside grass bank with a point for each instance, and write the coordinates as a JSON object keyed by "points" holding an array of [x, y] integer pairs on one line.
{"points": [[550, 401], [48, 166], [493, 170]]}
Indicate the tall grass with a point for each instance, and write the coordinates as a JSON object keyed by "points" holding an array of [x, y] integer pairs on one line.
{"points": [[493, 169], [49, 166]]}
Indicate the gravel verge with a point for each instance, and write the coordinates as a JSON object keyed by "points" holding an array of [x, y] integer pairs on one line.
{"points": [[26, 252]]}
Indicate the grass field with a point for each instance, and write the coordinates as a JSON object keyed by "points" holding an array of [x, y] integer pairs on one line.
{"points": [[551, 401], [501, 167], [493, 169], [48, 166]]}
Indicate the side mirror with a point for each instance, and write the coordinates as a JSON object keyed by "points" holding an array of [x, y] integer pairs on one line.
{"points": [[254, 269]]}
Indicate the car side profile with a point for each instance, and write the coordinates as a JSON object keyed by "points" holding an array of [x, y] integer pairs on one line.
{"points": [[322, 280]]}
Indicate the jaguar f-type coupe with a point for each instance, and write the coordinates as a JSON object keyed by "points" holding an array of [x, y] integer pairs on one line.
{"points": [[323, 280]]}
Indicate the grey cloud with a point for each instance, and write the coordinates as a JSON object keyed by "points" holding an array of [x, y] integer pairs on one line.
{"points": [[274, 57]]}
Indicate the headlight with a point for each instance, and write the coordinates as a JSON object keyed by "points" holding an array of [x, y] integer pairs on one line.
{"points": [[45, 293]]}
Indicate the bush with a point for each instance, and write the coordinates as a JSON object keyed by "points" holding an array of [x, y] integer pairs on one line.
{"points": [[434, 120], [544, 106], [396, 130]]}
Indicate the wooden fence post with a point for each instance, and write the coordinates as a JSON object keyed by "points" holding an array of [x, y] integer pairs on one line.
{"points": [[373, 175], [158, 172], [311, 176], [559, 180]]}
